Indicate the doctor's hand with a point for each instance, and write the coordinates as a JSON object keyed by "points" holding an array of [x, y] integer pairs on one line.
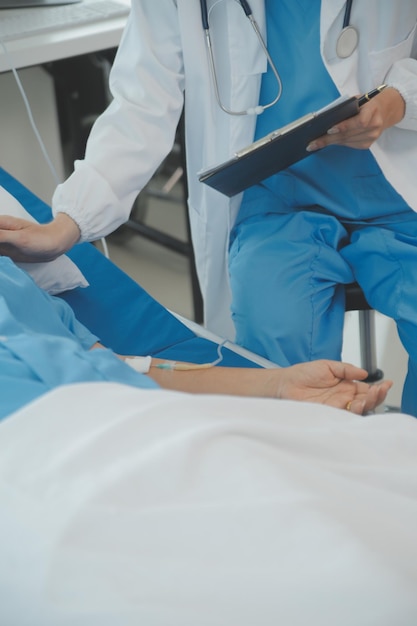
{"points": [[28, 242], [331, 382], [360, 131]]}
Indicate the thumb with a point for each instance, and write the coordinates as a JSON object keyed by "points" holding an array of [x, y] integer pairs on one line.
{"points": [[8, 222], [347, 371]]}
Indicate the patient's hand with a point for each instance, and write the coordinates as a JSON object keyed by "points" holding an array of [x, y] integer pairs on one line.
{"points": [[333, 383], [26, 241], [325, 382]]}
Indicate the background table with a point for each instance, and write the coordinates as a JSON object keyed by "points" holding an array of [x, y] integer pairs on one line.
{"points": [[19, 150]]}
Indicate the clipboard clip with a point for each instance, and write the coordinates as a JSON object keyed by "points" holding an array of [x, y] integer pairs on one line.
{"points": [[275, 133]]}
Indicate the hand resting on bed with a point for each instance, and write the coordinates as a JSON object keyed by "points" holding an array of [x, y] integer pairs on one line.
{"points": [[326, 382], [43, 346]]}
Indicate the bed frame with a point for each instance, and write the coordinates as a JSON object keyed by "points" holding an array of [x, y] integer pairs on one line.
{"points": [[119, 311]]}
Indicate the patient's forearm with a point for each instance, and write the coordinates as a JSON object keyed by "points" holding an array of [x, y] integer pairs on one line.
{"points": [[205, 378], [222, 380], [326, 382]]}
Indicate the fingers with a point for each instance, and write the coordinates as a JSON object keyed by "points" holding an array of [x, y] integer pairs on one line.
{"points": [[346, 371], [368, 399], [360, 131], [8, 222], [12, 236], [376, 395], [333, 383], [357, 132], [356, 406], [26, 241]]}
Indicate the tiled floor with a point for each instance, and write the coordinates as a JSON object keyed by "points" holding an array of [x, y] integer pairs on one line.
{"points": [[165, 274]]}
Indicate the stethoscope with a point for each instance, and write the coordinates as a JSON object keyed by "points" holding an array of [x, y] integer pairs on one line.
{"points": [[206, 27], [348, 38], [345, 46]]}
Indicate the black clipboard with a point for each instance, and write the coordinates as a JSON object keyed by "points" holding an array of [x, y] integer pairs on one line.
{"points": [[277, 150]]}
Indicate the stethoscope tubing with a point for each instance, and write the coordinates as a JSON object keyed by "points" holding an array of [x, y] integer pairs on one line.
{"points": [[344, 51], [248, 11], [204, 12], [348, 10]]}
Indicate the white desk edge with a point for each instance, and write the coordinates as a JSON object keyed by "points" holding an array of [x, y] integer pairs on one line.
{"points": [[46, 47]]}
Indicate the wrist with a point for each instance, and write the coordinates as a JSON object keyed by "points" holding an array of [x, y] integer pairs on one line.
{"points": [[64, 233], [141, 364], [395, 105], [274, 383]]}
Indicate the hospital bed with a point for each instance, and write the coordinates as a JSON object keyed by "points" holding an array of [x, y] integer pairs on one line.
{"points": [[121, 313], [125, 506]]}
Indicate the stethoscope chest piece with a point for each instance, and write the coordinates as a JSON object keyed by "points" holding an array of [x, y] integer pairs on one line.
{"points": [[347, 42]]}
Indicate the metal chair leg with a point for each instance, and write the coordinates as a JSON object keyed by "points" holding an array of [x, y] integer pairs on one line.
{"points": [[367, 345]]}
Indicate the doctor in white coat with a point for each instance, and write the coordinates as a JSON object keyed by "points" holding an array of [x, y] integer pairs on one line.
{"points": [[162, 55]]}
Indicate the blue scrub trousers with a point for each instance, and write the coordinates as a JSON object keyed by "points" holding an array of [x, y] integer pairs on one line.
{"points": [[326, 221], [287, 271]]}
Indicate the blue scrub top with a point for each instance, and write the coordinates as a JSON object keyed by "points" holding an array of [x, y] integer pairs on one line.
{"points": [[341, 181], [42, 345]]}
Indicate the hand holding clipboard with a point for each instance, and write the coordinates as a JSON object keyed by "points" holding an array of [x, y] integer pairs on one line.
{"points": [[281, 148]]}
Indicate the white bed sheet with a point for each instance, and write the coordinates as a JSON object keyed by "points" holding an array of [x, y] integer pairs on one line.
{"points": [[128, 507]]}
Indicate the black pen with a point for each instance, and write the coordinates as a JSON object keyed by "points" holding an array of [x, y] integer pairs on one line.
{"points": [[371, 94]]}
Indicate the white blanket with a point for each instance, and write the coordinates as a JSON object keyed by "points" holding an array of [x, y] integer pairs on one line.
{"points": [[128, 507]]}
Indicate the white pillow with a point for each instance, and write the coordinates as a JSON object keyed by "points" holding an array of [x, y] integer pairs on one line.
{"points": [[52, 276]]}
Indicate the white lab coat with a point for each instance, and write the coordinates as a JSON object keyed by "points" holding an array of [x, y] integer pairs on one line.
{"points": [[163, 53]]}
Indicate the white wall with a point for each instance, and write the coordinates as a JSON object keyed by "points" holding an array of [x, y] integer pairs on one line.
{"points": [[391, 356]]}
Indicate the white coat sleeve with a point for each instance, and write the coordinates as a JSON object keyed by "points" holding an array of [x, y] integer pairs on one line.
{"points": [[403, 76], [131, 138]]}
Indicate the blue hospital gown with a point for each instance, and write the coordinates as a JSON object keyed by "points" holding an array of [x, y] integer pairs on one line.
{"points": [[42, 345]]}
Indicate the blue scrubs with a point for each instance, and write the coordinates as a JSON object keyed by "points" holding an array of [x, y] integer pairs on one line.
{"points": [[326, 221], [42, 345]]}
